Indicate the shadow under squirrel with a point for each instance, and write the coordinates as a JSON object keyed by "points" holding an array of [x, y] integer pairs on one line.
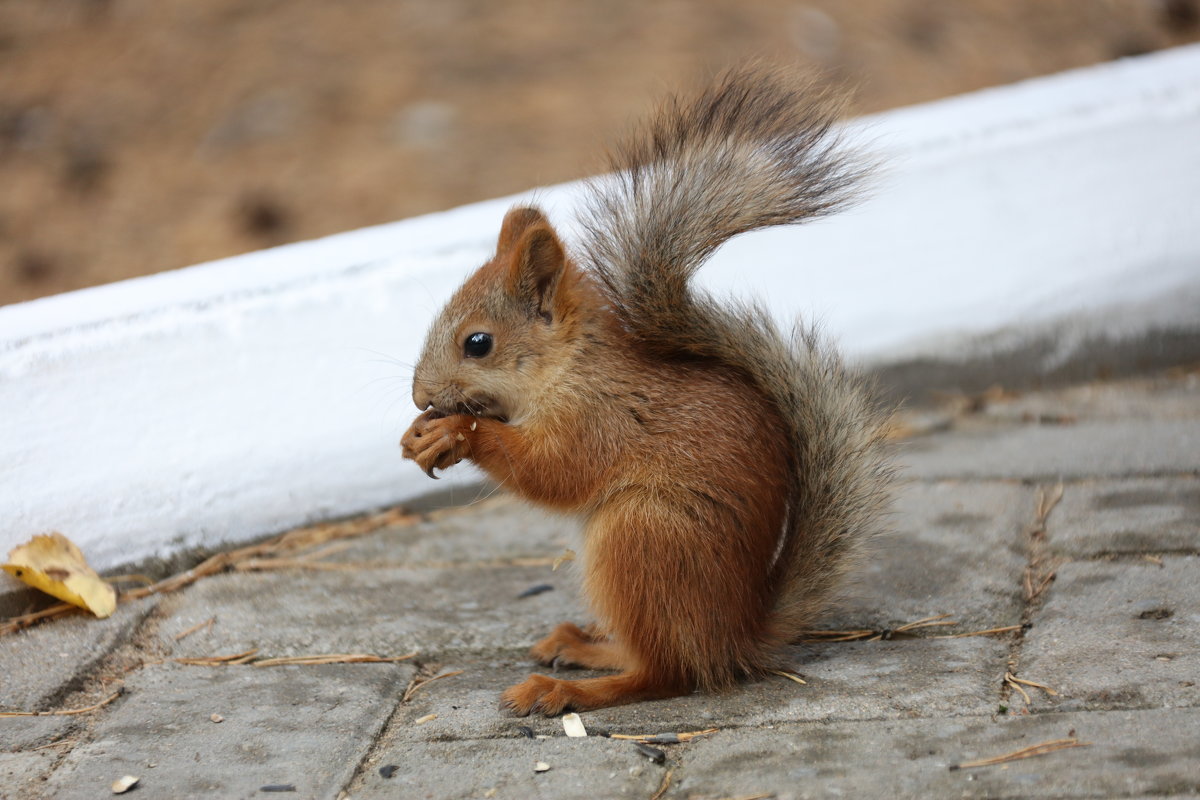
{"points": [[728, 474]]}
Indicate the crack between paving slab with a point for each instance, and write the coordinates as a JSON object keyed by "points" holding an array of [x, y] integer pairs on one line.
{"points": [[1148, 706], [383, 734], [1039, 573], [1140, 556], [378, 735], [445, 738], [1037, 479], [1078, 480], [78, 682]]}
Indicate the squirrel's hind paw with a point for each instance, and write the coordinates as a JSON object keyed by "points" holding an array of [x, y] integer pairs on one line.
{"points": [[571, 646], [552, 696], [541, 693]]}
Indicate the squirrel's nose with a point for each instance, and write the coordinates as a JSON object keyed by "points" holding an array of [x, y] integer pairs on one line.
{"points": [[421, 398]]}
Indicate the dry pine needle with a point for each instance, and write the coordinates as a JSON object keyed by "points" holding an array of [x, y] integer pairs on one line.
{"points": [[1040, 749]]}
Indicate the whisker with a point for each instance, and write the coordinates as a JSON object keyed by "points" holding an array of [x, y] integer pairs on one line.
{"points": [[480, 498], [387, 358], [383, 378], [475, 407]]}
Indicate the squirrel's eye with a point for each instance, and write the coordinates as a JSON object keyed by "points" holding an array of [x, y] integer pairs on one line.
{"points": [[477, 345]]}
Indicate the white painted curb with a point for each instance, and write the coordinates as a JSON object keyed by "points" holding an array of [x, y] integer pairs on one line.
{"points": [[237, 398]]}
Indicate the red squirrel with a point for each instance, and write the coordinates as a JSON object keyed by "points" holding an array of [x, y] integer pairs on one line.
{"points": [[727, 474]]}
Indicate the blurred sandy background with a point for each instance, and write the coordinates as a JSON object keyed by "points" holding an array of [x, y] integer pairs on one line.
{"points": [[143, 135]]}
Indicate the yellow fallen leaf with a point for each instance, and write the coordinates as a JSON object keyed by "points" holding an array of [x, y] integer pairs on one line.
{"points": [[55, 565]]}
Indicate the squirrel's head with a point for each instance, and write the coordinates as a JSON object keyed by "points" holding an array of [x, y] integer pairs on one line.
{"points": [[491, 348]]}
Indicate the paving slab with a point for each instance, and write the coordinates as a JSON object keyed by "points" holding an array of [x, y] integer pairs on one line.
{"points": [[584, 768], [956, 548], [22, 774], [40, 665], [304, 726], [500, 528], [25, 733], [1151, 515], [1101, 449], [41, 662], [1118, 634], [438, 612], [1131, 753], [853, 680]]}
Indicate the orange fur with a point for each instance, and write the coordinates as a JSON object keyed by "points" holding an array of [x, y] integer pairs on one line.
{"points": [[684, 497]]}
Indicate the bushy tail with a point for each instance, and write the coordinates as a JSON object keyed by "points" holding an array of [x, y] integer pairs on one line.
{"points": [[754, 151]]}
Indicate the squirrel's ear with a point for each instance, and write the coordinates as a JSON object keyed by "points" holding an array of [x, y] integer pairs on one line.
{"points": [[537, 265], [516, 222]]}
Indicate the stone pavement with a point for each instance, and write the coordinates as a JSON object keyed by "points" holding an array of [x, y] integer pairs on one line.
{"points": [[1104, 586]]}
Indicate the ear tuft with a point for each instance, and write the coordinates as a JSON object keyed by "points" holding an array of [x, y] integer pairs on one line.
{"points": [[517, 221], [538, 263]]}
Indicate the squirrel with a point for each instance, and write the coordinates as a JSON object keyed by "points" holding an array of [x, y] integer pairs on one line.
{"points": [[727, 473]]}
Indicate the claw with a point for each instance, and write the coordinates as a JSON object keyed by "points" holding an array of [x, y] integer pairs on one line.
{"points": [[429, 472], [507, 706]]}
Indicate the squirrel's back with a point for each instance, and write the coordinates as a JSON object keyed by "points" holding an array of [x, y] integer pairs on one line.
{"points": [[755, 150]]}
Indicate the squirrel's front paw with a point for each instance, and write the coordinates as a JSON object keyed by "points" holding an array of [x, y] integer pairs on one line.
{"points": [[436, 442]]}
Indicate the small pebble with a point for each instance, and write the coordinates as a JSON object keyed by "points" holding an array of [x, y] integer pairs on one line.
{"points": [[534, 590], [389, 770], [217, 718], [424, 719], [541, 766]]}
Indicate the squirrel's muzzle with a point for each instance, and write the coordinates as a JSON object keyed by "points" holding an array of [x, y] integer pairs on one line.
{"points": [[421, 397]]}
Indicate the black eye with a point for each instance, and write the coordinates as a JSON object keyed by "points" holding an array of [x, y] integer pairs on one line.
{"points": [[477, 345]]}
